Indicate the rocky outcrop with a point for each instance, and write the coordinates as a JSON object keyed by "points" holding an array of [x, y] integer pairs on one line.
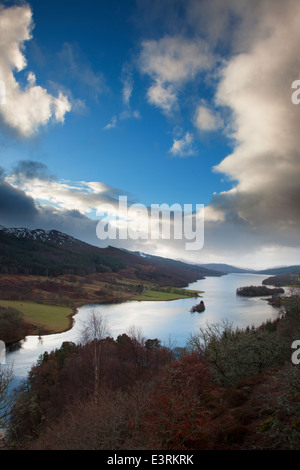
{"points": [[198, 308]]}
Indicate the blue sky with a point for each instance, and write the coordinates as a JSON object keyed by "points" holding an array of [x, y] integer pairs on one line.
{"points": [[170, 102], [88, 52]]}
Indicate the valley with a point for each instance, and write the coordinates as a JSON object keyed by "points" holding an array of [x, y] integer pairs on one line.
{"points": [[48, 275]]}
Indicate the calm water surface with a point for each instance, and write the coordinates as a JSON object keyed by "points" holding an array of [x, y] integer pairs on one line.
{"points": [[171, 322]]}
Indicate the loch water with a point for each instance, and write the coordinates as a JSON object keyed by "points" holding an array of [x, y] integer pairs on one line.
{"points": [[169, 321]]}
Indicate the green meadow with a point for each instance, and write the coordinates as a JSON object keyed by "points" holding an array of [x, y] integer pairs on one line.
{"points": [[164, 294], [49, 318]]}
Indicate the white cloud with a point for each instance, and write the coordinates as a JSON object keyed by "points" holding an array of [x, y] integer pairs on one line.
{"points": [[127, 81], [130, 114], [65, 195], [162, 95], [78, 105], [127, 90], [27, 109], [174, 59], [256, 86], [206, 120], [127, 113], [111, 124], [171, 62], [183, 147]]}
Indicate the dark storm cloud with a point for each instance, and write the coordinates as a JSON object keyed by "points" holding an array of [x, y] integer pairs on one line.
{"points": [[15, 206], [20, 210]]}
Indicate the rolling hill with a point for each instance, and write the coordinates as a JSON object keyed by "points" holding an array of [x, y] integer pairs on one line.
{"points": [[295, 269], [226, 268], [53, 253]]}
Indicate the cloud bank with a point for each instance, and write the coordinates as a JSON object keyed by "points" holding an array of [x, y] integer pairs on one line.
{"points": [[256, 85], [251, 102], [27, 107]]}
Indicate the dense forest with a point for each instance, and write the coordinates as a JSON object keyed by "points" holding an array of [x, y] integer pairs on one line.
{"points": [[228, 389]]}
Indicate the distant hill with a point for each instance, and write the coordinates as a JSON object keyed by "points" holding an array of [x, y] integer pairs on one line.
{"points": [[205, 270], [53, 253], [283, 270], [282, 280], [226, 268]]}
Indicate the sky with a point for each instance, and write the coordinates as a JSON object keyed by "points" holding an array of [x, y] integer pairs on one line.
{"points": [[175, 102]]}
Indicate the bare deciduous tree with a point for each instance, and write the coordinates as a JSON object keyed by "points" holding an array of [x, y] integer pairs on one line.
{"points": [[94, 332], [6, 398]]}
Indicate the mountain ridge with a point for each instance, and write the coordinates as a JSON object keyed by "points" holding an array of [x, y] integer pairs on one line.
{"points": [[100, 259], [53, 253], [54, 236]]}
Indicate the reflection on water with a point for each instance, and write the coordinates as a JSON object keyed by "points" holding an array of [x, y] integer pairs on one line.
{"points": [[171, 322]]}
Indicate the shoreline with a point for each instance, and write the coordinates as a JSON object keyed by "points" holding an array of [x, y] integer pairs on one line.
{"points": [[41, 327]]}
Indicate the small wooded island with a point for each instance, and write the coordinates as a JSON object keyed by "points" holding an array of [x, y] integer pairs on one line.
{"points": [[256, 291], [198, 308]]}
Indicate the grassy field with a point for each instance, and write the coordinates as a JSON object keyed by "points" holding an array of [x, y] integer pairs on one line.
{"points": [[45, 318], [161, 295]]}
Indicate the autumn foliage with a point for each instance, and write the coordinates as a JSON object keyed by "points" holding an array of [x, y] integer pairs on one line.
{"points": [[178, 417]]}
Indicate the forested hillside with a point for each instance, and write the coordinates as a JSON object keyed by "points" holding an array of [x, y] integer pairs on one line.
{"points": [[38, 252]]}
